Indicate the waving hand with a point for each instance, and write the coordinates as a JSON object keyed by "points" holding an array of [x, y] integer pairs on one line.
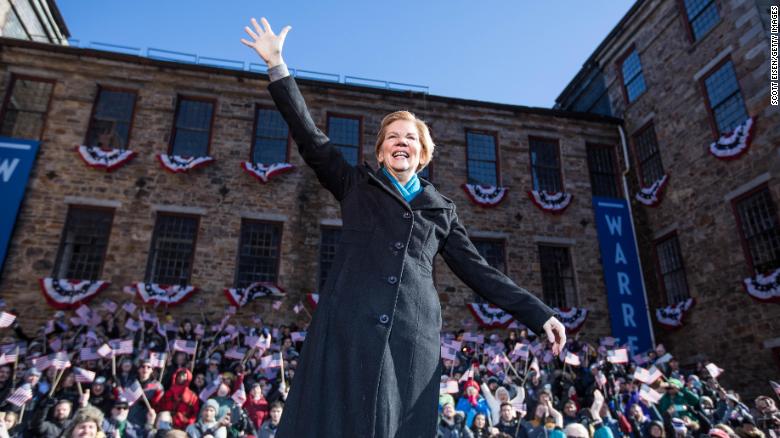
{"points": [[265, 42]]}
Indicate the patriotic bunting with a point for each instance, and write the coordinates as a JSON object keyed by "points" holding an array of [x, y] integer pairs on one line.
{"points": [[572, 318], [241, 296], [651, 196], [153, 293], [264, 172], [731, 145], [179, 164], [485, 195], [106, 159], [67, 294], [765, 288], [489, 316], [554, 203], [671, 317]]}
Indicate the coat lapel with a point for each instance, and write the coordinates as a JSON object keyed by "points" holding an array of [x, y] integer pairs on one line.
{"points": [[382, 181], [428, 198]]}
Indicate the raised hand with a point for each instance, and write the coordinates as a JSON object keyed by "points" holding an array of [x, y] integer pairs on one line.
{"points": [[265, 42], [556, 334]]}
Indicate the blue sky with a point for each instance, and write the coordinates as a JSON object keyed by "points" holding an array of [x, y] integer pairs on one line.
{"points": [[512, 51]]}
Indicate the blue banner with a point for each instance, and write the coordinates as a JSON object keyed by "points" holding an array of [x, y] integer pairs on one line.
{"points": [[16, 160], [622, 274]]}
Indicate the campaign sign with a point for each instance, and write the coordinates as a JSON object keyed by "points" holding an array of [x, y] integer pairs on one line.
{"points": [[16, 160]]}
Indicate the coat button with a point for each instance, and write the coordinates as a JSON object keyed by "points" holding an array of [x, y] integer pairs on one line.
{"points": [[384, 319], [392, 279], [399, 245], [407, 215]]}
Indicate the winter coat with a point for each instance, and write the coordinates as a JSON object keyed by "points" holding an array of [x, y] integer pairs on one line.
{"points": [[181, 402], [370, 364]]}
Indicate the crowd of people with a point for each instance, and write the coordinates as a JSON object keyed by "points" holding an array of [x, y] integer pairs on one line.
{"points": [[112, 371]]}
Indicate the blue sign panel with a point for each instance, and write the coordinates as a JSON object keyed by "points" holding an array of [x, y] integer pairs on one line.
{"points": [[16, 160], [622, 274]]}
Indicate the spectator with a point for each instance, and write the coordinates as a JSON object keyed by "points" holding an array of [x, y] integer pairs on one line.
{"points": [[681, 399], [208, 424], [472, 403], [256, 405], [153, 391], [119, 421], [180, 400], [451, 424], [86, 424], [480, 428], [45, 427], [268, 429]]}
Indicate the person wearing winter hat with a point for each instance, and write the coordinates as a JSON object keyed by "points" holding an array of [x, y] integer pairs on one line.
{"points": [[87, 423], [680, 398], [451, 423], [501, 396], [256, 405], [471, 403], [208, 424], [118, 421]]}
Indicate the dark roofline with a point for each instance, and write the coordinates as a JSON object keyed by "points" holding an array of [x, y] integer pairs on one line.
{"points": [[253, 75], [55, 12], [591, 61]]}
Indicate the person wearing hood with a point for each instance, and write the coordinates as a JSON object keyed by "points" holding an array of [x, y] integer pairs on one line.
{"points": [[501, 397], [99, 397], [180, 400], [87, 423], [471, 403], [256, 405], [208, 424]]}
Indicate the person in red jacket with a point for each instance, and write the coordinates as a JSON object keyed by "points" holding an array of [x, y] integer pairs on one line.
{"points": [[180, 400], [256, 405]]}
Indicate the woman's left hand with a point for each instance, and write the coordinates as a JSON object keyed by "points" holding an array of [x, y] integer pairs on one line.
{"points": [[556, 334]]}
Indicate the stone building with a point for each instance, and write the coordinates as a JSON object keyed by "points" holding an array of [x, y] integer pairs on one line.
{"points": [[680, 73]]}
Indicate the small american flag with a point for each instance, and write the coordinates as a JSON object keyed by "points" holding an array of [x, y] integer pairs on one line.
{"points": [[775, 387], [608, 341], [22, 395], [571, 359], [83, 376], [41, 363], [601, 379], [277, 305], [473, 337], [298, 336], [239, 396], [534, 366], [649, 394], [8, 358], [447, 352], [235, 353], [49, 327], [157, 359], [297, 308], [104, 350], [148, 316], [714, 370], [271, 361], [617, 356], [6, 319], [210, 389], [520, 351], [467, 375], [88, 353], [133, 392], [129, 307], [59, 360], [110, 306], [56, 344], [184, 346], [132, 325], [121, 346]]}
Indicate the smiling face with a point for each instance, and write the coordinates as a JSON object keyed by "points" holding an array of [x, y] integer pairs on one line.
{"points": [[400, 150]]}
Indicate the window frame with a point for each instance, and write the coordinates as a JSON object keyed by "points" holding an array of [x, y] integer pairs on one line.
{"points": [[100, 88], [557, 143], [742, 238], [688, 26], [10, 88], [613, 152], [359, 118], [569, 253], [149, 274], [491, 133], [280, 226], [179, 98], [319, 281], [257, 108], [659, 273], [650, 124], [502, 242], [63, 234], [619, 65], [703, 90]]}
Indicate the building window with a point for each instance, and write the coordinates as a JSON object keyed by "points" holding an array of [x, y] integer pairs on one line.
{"points": [[270, 139], [482, 156], [558, 288], [671, 270], [258, 252], [192, 131], [492, 251], [329, 243], [173, 248], [344, 133], [724, 98], [651, 168], [112, 117], [759, 229], [603, 170], [25, 108], [633, 78], [702, 16], [545, 165], [84, 242]]}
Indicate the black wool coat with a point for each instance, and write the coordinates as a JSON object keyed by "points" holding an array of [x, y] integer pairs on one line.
{"points": [[370, 364]]}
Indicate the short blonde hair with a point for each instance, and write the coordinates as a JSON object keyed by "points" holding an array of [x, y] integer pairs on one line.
{"points": [[426, 141]]}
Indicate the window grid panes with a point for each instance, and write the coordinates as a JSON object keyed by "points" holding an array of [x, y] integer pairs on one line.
{"points": [[193, 128], [344, 133], [173, 245], [725, 98], [649, 156], [271, 133], [558, 287], [603, 171], [633, 79], [702, 15], [481, 158], [26, 108], [545, 166], [672, 270], [84, 242], [111, 118], [493, 253], [760, 230], [329, 243], [258, 253]]}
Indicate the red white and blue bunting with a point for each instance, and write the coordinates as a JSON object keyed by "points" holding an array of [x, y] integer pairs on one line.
{"points": [[765, 288], [264, 172], [179, 164], [671, 317], [107, 159], [313, 299], [239, 297], [67, 294], [489, 316], [651, 196], [152, 293], [731, 145], [573, 318], [485, 196], [550, 202]]}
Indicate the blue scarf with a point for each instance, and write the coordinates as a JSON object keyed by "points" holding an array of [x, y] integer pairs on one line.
{"points": [[410, 190]]}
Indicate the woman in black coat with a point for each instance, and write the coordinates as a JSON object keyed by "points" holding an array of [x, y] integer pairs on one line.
{"points": [[370, 363]]}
